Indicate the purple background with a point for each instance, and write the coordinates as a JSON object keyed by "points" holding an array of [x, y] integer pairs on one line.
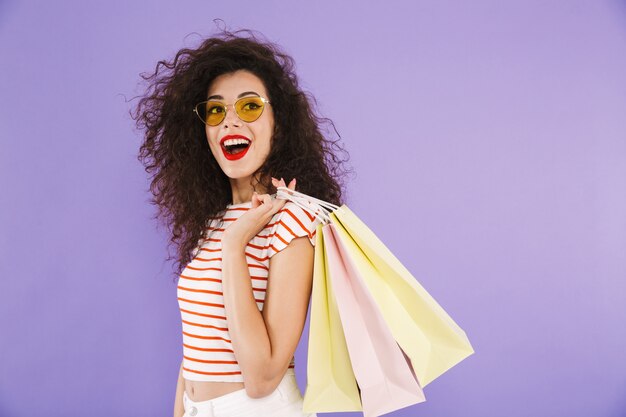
{"points": [[493, 131]]}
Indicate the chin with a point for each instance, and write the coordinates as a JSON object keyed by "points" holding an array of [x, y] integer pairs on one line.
{"points": [[238, 173]]}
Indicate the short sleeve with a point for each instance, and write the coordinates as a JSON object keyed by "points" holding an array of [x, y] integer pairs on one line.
{"points": [[290, 222]]}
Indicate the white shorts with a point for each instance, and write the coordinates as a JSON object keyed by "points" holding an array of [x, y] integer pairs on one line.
{"points": [[285, 401]]}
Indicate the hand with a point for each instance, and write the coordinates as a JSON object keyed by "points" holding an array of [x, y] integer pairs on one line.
{"points": [[242, 230]]}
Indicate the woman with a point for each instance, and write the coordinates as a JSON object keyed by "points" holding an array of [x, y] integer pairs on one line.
{"points": [[223, 128]]}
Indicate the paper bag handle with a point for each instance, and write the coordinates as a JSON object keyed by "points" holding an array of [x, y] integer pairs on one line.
{"points": [[319, 208]]}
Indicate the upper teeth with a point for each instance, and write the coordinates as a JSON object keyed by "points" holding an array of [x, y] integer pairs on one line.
{"points": [[231, 142]]}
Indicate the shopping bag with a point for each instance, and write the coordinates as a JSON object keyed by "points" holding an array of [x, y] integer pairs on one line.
{"points": [[425, 332], [384, 375], [331, 384]]}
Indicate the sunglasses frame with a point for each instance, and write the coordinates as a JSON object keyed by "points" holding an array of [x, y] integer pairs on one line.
{"points": [[263, 99]]}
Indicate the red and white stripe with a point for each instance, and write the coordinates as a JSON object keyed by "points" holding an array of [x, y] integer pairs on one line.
{"points": [[207, 349]]}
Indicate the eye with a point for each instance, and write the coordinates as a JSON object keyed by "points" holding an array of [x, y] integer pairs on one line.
{"points": [[215, 109], [251, 106]]}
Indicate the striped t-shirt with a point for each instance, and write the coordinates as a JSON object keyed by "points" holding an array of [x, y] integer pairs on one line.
{"points": [[207, 349]]}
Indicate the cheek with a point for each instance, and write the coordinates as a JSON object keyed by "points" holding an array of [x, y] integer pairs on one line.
{"points": [[266, 142], [210, 136]]}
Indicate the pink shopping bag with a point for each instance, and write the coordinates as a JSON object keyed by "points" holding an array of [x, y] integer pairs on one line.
{"points": [[383, 372]]}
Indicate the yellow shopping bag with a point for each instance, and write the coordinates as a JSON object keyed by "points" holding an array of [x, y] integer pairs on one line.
{"points": [[331, 384]]}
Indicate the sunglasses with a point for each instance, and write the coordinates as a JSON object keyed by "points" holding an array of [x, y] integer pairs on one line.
{"points": [[213, 112]]}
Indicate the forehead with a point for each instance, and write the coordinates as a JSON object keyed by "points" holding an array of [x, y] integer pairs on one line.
{"points": [[233, 83]]}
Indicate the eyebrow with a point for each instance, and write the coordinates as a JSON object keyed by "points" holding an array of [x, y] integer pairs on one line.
{"points": [[239, 96]]}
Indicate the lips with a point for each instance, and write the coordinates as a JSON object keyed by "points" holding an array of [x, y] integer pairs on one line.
{"points": [[233, 139]]}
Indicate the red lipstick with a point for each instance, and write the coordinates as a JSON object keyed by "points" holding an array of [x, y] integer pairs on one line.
{"points": [[234, 157]]}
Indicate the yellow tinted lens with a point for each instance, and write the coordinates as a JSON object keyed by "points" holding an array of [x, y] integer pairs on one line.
{"points": [[212, 112], [249, 108]]}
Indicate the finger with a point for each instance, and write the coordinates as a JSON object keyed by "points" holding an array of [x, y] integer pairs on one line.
{"points": [[281, 183], [254, 200], [267, 200], [277, 205], [292, 184]]}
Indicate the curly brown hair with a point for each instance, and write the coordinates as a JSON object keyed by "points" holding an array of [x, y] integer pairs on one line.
{"points": [[187, 184]]}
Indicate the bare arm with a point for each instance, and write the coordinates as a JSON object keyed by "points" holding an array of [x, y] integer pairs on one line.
{"points": [[179, 409], [264, 342]]}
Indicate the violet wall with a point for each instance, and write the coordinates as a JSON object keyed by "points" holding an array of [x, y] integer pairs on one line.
{"points": [[495, 129]]}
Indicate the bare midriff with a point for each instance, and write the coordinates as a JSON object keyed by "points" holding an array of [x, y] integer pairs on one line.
{"points": [[207, 390]]}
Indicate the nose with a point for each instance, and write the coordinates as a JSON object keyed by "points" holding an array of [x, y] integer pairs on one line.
{"points": [[231, 117]]}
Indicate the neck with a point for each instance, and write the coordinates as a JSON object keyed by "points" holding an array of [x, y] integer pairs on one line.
{"points": [[242, 189]]}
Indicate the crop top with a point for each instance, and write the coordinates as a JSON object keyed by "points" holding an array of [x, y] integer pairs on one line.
{"points": [[207, 349]]}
